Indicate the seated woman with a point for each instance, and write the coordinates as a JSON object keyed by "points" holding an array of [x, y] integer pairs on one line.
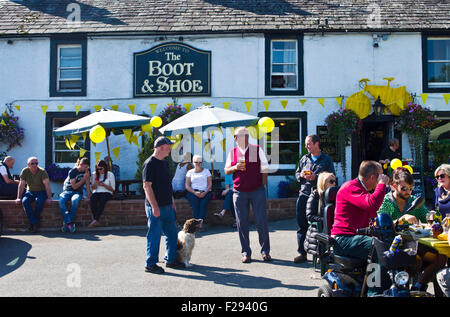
{"points": [[442, 192], [103, 186], [198, 186], [179, 179], [228, 199], [395, 203], [314, 210]]}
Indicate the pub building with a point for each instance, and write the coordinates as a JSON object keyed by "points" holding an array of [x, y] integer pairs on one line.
{"points": [[293, 61]]}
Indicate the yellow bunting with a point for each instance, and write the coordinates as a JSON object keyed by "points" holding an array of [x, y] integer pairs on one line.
{"points": [[115, 107], [70, 144], [187, 106], [134, 139], [60, 108], [284, 103], [302, 101], [222, 143], [77, 109], [153, 107], [339, 101], [446, 98], [156, 121], [226, 105], [116, 152], [97, 133], [97, 156], [97, 107], [266, 104], [206, 103], [197, 138], [248, 105], [82, 152], [127, 133], [44, 109], [17, 107], [321, 101], [74, 138], [146, 127], [84, 134], [266, 124], [424, 98], [132, 108], [141, 133], [170, 104], [3, 122]]}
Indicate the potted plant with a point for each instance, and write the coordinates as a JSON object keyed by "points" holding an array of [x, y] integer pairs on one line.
{"points": [[10, 132], [342, 124]]}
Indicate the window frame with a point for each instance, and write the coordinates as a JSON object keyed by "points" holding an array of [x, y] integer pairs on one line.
{"points": [[49, 137], [55, 44], [425, 85], [301, 116], [269, 91]]}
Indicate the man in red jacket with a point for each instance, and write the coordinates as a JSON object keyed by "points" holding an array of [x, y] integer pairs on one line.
{"points": [[355, 206]]}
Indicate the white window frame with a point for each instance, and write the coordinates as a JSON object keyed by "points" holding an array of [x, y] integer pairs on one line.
{"points": [[437, 84], [59, 68], [281, 73]]}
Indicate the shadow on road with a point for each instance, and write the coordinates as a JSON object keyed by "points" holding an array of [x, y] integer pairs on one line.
{"points": [[13, 253]]}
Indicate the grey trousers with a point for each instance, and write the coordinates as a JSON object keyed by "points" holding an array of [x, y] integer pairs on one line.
{"points": [[242, 201]]}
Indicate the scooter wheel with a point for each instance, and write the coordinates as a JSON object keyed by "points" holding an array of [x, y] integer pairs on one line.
{"points": [[325, 291]]}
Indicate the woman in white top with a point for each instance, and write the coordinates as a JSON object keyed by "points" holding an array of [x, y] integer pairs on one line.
{"points": [[103, 186], [198, 186]]}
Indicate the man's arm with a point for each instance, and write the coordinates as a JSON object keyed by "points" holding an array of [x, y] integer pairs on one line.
{"points": [[20, 191], [150, 196], [46, 183]]}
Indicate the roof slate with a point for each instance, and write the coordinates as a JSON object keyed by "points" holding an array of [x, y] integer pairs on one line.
{"points": [[34, 17]]}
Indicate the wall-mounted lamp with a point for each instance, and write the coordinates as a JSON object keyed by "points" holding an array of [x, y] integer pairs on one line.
{"points": [[378, 107], [375, 40]]}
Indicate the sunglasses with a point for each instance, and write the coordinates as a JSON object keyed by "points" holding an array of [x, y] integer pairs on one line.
{"points": [[332, 181], [440, 176], [33, 163], [199, 162], [404, 188]]}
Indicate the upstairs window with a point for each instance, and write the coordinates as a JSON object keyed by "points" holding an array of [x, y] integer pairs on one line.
{"points": [[284, 65], [436, 64]]}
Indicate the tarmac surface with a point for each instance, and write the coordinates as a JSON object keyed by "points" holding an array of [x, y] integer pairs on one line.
{"points": [[107, 262]]}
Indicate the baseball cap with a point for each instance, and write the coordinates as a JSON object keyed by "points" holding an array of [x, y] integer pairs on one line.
{"points": [[161, 141]]}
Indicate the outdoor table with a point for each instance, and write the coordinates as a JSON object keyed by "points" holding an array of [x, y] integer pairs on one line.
{"points": [[441, 246], [125, 185]]}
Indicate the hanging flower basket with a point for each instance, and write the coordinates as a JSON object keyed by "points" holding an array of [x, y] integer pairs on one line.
{"points": [[342, 124], [10, 132], [56, 173]]}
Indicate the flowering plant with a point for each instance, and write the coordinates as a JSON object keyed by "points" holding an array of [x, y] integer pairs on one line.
{"points": [[10, 132], [171, 113], [343, 123], [57, 173], [416, 120]]}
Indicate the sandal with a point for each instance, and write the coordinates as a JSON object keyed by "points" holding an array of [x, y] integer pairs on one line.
{"points": [[219, 215], [266, 257]]}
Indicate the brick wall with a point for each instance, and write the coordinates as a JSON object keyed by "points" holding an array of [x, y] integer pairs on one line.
{"points": [[130, 213]]}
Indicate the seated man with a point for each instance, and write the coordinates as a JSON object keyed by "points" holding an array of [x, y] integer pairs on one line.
{"points": [[73, 190], [38, 183], [8, 186], [355, 206]]}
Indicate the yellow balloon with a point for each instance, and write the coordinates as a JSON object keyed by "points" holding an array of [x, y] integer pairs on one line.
{"points": [[156, 121], [146, 127], [396, 163], [409, 168], [97, 134], [266, 124]]}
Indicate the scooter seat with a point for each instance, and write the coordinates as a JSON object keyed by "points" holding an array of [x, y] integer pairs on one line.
{"points": [[349, 263]]}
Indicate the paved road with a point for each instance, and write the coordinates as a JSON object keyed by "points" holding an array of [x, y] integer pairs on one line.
{"points": [[111, 263]]}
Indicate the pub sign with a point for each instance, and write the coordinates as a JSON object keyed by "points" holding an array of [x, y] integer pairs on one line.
{"points": [[172, 69]]}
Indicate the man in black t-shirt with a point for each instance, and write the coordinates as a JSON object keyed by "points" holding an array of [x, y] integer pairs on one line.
{"points": [[160, 208], [73, 191]]}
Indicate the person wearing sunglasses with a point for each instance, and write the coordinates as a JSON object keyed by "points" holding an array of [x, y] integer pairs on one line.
{"points": [[442, 192], [395, 203], [314, 210], [38, 190]]}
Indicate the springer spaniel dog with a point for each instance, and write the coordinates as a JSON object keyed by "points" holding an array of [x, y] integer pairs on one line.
{"points": [[186, 241]]}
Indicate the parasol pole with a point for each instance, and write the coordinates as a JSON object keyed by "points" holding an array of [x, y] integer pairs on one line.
{"points": [[107, 147], [210, 154]]}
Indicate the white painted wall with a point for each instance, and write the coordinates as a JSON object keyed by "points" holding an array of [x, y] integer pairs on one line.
{"points": [[333, 64]]}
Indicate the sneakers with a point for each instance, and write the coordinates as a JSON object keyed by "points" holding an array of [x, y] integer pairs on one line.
{"points": [[300, 258], [246, 259], [155, 269], [175, 265], [68, 227]]}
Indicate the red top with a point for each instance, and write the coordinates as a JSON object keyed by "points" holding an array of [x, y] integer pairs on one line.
{"points": [[250, 179], [355, 206]]}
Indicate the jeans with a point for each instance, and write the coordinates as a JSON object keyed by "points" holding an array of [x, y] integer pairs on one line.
{"points": [[29, 197], [228, 203], [199, 204], [165, 224], [64, 197], [302, 223], [242, 201]]}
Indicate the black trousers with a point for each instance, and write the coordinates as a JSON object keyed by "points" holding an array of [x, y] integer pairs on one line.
{"points": [[98, 202]]}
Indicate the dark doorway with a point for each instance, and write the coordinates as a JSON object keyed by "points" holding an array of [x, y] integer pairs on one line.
{"points": [[374, 137]]}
